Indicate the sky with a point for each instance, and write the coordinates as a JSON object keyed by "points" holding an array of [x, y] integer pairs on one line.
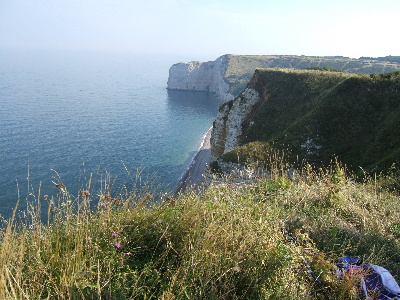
{"points": [[204, 28]]}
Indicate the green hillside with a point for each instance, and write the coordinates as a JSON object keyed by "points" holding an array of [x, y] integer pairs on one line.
{"points": [[241, 67], [317, 115]]}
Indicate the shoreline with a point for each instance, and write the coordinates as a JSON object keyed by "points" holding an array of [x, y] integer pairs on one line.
{"points": [[194, 175]]}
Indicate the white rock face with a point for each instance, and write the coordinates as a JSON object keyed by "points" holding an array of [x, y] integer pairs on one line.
{"points": [[227, 127], [201, 76]]}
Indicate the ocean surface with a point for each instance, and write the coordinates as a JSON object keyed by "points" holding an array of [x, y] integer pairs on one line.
{"points": [[69, 116]]}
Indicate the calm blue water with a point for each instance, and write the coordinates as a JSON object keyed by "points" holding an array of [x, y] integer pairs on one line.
{"points": [[87, 113]]}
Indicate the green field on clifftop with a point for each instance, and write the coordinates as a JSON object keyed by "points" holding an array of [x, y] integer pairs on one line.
{"points": [[318, 115]]}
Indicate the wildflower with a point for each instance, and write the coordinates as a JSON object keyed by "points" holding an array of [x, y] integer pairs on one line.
{"points": [[113, 234], [117, 245], [215, 199]]}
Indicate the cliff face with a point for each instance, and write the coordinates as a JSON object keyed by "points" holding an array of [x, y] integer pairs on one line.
{"points": [[201, 76], [227, 128], [316, 115]]}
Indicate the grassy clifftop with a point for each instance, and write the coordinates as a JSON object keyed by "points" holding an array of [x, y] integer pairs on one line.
{"points": [[232, 241], [318, 115], [240, 68]]}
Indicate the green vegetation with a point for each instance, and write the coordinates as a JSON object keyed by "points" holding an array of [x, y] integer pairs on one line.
{"points": [[257, 155], [389, 58], [323, 69], [241, 68], [232, 241], [318, 115]]}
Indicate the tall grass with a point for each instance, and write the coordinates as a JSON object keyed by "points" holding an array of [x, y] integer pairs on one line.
{"points": [[277, 238]]}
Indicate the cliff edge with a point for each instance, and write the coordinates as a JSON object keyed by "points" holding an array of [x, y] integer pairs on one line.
{"points": [[201, 76], [316, 115]]}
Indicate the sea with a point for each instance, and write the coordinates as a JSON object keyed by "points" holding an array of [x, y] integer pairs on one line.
{"points": [[104, 119]]}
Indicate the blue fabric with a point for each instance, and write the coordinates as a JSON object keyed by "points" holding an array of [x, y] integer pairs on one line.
{"points": [[380, 282], [376, 282]]}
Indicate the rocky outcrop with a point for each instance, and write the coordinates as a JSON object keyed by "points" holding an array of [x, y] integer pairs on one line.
{"points": [[227, 128], [201, 76]]}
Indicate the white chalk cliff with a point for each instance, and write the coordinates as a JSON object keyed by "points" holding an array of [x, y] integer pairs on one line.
{"points": [[201, 76], [227, 128]]}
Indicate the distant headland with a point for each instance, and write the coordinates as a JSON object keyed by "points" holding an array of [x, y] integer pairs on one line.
{"points": [[229, 74]]}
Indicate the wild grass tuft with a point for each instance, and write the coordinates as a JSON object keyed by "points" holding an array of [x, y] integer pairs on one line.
{"points": [[277, 238]]}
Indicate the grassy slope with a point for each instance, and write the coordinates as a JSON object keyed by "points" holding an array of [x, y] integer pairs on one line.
{"points": [[241, 67], [229, 242], [354, 117]]}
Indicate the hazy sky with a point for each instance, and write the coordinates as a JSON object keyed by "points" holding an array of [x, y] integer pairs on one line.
{"points": [[205, 28]]}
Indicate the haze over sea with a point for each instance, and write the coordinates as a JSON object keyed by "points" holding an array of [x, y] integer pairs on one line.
{"points": [[90, 113]]}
